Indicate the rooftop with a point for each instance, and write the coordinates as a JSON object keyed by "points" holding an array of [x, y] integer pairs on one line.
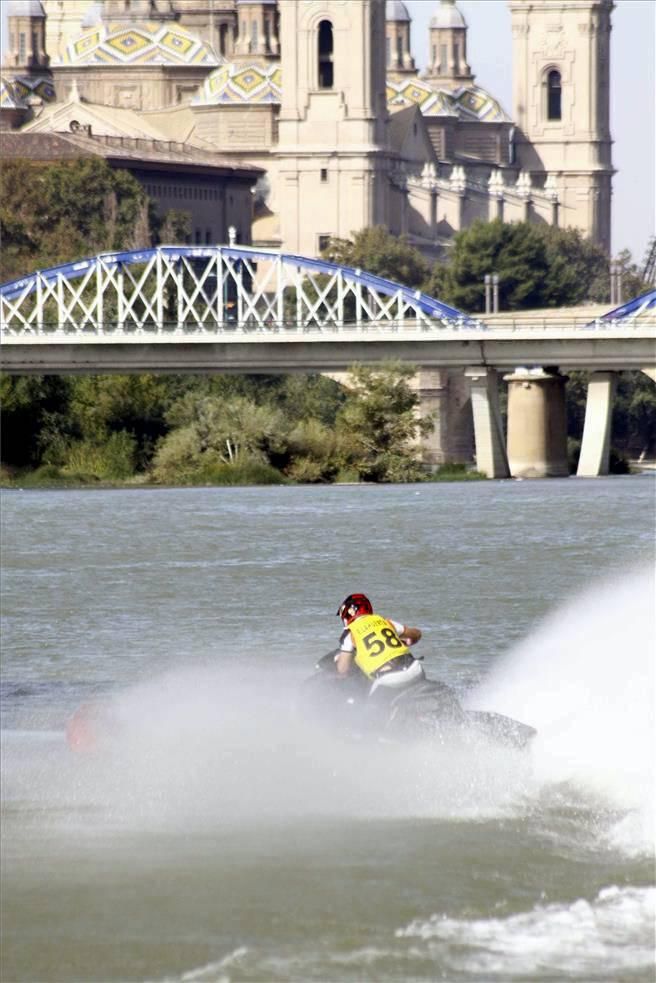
{"points": [[131, 150]]}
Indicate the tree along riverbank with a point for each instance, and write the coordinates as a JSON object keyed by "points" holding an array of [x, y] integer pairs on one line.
{"points": [[224, 430], [177, 430], [132, 431]]}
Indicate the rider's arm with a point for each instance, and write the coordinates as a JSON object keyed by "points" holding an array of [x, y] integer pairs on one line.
{"points": [[410, 635], [346, 654], [343, 661]]}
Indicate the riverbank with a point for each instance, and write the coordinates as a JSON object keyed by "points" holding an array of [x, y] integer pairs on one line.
{"points": [[50, 478]]}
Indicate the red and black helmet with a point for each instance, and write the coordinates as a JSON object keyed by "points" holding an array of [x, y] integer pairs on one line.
{"points": [[353, 607]]}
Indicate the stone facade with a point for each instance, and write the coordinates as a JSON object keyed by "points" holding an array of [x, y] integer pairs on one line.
{"points": [[325, 98]]}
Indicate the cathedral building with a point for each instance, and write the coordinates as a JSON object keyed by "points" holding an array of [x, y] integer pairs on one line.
{"points": [[323, 100]]}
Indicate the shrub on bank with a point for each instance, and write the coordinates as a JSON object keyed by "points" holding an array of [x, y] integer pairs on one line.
{"points": [[112, 460], [452, 471], [247, 472]]}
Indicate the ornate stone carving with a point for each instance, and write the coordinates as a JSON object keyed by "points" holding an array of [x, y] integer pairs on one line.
{"points": [[552, 45], [429, 176], [458, 179], [524, 184], [496, 184], [551, 187]]}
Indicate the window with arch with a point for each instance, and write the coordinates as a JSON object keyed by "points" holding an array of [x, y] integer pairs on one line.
{"points": [[554, 94], [325, 51]]}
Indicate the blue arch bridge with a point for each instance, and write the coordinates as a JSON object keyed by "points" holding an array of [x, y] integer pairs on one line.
{"points": [[239, 309]]}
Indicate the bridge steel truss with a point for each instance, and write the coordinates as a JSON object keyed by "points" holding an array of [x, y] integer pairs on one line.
{"points": [[194, 292]]}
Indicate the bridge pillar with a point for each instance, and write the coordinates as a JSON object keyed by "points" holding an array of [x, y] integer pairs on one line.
{"points": [[537, 424], [444, 396], [431, 386], [491, 456], [595, 446], [460, 436]]}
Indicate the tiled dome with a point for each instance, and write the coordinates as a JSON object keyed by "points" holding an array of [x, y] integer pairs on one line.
{"points": [[468, 102], [237, 83], [139, 44], [15, 92]]}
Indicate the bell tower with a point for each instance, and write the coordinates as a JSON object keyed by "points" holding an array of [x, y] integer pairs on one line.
{"points": [[561, 99], [332, 148]]}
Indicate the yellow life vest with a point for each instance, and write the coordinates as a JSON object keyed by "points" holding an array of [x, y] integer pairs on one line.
{"points": [[376, 643]]}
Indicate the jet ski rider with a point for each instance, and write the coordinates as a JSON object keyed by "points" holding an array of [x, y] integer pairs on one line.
{"points": [[378, 646]]}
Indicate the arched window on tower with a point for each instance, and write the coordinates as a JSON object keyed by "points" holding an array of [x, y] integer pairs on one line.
{"points": [[554, 91], [325, 43]]}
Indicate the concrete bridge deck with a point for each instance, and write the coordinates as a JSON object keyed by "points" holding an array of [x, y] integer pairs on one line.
{"points": [[181, 309], [321, 350]]}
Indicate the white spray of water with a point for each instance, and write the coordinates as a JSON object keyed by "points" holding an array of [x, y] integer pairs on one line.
{"points": [[213, 747], [217, 747], [586, 680]]}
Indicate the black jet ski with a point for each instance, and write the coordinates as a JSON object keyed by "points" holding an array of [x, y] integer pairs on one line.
{"points": [[424, 708]]}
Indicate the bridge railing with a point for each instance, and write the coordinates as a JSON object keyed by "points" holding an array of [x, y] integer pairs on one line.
{"points": [[192, 291]]}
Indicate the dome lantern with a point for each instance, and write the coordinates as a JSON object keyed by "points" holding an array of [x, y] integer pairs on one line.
{"points": [[448, 47], [398, 56], [26, 24]]}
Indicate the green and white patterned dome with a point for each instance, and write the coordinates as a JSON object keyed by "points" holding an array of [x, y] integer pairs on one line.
{"points": [[139, 44], [15, 93], [237, 83], [469, 102]]}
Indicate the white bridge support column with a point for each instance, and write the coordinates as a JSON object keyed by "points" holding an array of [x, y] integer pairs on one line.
{"points": [[595, 446], [537, 424], [491, 457]]}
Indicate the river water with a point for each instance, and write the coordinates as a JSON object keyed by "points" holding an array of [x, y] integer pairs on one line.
{"points": [[211, 835]]}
